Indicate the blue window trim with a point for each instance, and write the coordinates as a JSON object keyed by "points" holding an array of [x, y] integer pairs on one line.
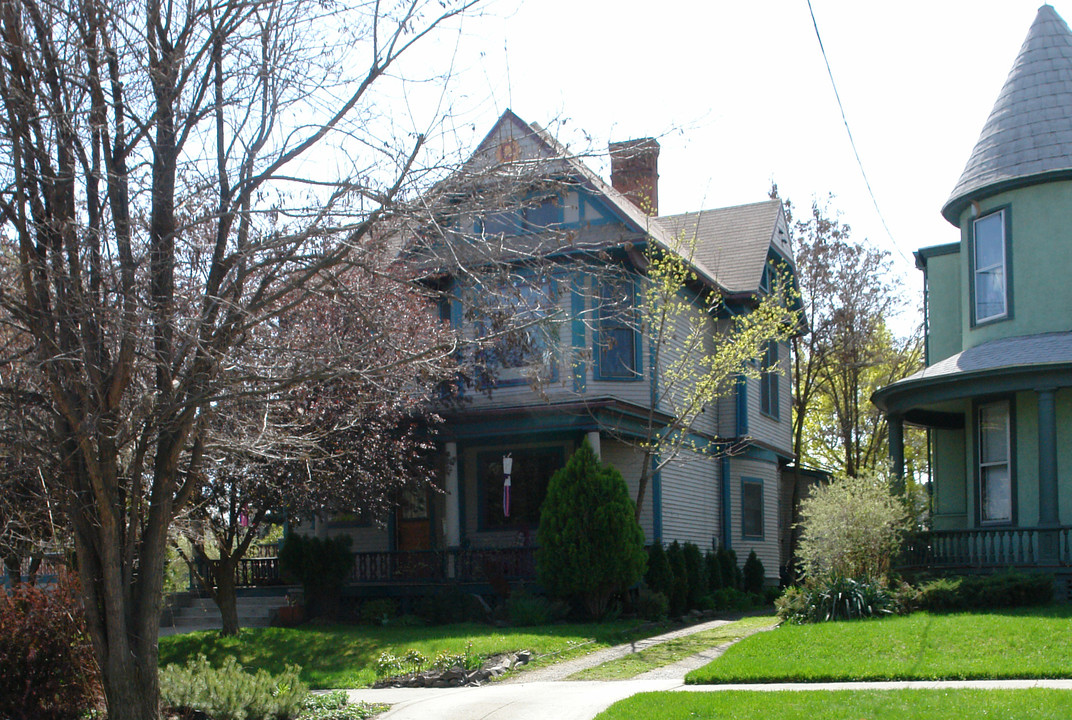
{"points": [[741, 396], [638, 360], [769, 381], [578, 331], [1006, 211], [745, 481]]}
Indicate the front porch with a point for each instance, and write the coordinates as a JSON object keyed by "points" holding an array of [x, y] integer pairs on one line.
{"points": [[395, 571]]}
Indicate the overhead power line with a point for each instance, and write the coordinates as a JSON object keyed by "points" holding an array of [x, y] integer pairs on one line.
{"points": [[848, 130]]}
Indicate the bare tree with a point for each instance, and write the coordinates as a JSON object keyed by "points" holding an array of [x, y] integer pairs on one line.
{"points": [[347, 440], [161, 207]]}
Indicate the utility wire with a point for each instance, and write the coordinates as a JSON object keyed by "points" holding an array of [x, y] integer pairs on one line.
{"points": [[852, 142]]}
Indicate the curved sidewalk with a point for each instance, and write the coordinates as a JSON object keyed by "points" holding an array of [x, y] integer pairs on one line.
{"points": [[584, 700], [542, 693]]}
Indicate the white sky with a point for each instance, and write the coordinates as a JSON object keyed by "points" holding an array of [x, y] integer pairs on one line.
{"points": [[738, 95]]}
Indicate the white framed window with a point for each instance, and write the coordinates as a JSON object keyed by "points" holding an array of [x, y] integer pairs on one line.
{"points": [[995, 469], [990, 281]]}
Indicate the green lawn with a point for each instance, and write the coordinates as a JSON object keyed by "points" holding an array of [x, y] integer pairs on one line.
{"points": [[672, 651], [344, 656], [1033, 704], [1028, 643]]}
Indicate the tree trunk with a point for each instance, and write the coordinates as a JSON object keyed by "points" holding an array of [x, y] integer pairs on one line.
{"points": [[13, 564], [131, 685], [226, 596]]}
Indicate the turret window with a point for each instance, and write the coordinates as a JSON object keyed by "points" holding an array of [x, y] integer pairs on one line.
{"points": [[990, 281]]}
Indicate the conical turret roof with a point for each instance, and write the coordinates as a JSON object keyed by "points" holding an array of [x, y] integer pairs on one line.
{"points": [[1028, 136]]}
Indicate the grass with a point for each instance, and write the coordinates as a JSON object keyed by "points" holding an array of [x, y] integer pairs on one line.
{"points": [[344, 656], [1026, 643], [1032, 704], [673, 651]]}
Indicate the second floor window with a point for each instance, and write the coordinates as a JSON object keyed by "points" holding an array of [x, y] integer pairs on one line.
{"points": [[990, 276], [617, 337], [517, 320]]}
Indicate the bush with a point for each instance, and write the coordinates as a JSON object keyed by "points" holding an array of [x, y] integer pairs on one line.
{"points": [[231, 693], [851, 528], [695, 574], [837, 598], [321, 566], [524, 609], [753, 574], [47, 669], [652, 604], [732, 599], [714, 571], [378, 612], [336, 706], [590, 544], [659, 577], [727, 563], [679, 588], [451, 605], [1003, 590]]}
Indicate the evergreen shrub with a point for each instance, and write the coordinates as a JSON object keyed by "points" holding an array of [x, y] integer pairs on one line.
{"points": [[753, 574], [659, 577], [695, 574], [679, 590], [590, 544], [230, 693], [714, 571], [652, 604], [727, 563]]}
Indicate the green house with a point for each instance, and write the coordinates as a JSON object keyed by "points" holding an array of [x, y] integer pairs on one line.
{"points": [[996, 394]]}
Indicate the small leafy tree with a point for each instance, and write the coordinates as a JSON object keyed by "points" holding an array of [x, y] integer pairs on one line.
{"points": [[321, 566], [851, 527], [753, 574], [591, 545]]}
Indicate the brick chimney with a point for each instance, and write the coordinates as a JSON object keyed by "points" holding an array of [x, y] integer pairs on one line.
{"points": [[634, 172]]}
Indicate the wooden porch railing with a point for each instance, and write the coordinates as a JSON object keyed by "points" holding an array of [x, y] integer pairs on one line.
{"points": [[989, 548], [469, 565]]}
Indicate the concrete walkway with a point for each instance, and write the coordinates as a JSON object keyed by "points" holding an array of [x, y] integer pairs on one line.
{"points": [[540, 693]]}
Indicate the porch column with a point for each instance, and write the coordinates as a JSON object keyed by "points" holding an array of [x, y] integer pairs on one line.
{"points": [[593, 440], [451, 519], [895, 423], [1047, 470]]}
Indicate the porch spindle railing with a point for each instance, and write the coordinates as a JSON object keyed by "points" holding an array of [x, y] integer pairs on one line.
{"points": [[989, 548]]}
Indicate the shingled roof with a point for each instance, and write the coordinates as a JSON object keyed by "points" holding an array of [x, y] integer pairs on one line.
{"points": [[733, 242], [1028, 137]]}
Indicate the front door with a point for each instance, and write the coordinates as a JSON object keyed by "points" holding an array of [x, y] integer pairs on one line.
{"points": [[412, 522]]}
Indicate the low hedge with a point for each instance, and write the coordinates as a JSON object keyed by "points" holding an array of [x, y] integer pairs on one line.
{"points": [[1003, 590]]}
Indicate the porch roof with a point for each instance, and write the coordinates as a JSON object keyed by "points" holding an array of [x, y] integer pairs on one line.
{"points": [[1005, 365]]}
